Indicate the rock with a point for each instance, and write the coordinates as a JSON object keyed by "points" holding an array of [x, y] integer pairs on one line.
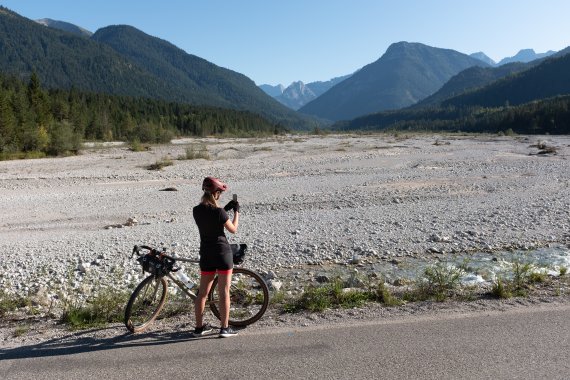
{"points": [[41, 297], [440, 239], [355, 260], [131, 222], [274, 285], [322, 279], [83, 267], [270, 275]]}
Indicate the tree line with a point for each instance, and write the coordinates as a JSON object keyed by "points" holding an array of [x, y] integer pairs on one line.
{"points": [[38, 121], [546, 116]]}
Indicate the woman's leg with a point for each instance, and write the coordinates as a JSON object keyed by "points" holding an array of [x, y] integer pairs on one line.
{"points": [[224, 282], [200, 301]]}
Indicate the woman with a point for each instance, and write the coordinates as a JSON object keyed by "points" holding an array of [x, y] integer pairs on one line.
{"points": [[215, 252]]}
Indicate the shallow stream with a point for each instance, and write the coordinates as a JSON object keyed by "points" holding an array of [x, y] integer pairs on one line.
{"points": [[477, 268]]}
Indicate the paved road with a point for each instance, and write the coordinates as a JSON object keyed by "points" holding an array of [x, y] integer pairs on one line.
{"points": [[519, 344]]}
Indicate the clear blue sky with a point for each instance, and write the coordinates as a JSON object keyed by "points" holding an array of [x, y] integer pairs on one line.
{"points": [[281, 41]]}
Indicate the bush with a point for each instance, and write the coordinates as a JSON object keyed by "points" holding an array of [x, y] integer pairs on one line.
{"points": [[196, 151], [10, 302], [383, 295], [439, 280], [501, 289], [63, 140], [160, 164], [136, 146]]}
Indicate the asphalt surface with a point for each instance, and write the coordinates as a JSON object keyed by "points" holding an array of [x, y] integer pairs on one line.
{"points": [[529, 343]]}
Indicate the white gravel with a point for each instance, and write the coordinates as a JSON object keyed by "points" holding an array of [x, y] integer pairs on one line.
{"points": [[305, 201]]}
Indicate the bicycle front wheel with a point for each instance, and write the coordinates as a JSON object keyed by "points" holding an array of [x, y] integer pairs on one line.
{"points": [[145, 303], [249, 297]]}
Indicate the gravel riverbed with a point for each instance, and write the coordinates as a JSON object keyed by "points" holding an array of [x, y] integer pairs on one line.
{"points": [[308, 202]]}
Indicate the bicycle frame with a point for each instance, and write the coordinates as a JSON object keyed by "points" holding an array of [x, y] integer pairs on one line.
{"points": [[179, 283], [248, 292]]}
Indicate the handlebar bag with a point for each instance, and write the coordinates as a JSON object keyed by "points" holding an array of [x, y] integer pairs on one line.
{"points": [[238, 251]]}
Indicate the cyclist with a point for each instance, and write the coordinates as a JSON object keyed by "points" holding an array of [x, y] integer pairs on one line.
{"points": [[215, 252]]}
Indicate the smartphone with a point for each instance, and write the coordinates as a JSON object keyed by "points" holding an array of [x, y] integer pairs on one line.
{"points": [[235, 197]]}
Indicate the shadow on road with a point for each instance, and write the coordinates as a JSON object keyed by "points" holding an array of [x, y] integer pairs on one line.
{"points": [[78, 342]]}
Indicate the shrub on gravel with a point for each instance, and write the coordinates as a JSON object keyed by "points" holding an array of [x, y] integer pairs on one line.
{"points": [[384, 296], [160, 164], [196, 151], [501, 289], [522, 275], [439, 281], [10, 303]]}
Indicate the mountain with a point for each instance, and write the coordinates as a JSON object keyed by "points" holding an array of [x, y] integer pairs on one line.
{"points": [[477, 77], [296, 95], [272, 91], [548, 79], [483, 57], [65, 26], [405, 74], [122, 60], [319, 88], [195, 79], [534, 100], [525, 55], [470, 79], [63, 60]]}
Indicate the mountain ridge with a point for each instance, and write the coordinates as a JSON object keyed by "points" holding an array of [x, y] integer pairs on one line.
{"points": [[64, 60], [406, 73], [65, 26]]}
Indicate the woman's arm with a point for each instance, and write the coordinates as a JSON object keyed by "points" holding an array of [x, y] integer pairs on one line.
{"points": [[232, 225]]}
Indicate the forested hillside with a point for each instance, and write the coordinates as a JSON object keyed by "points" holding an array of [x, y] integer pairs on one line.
{"points": [[547, 116], [35, 121], [122, 60], [471, 79], [550, 78]]}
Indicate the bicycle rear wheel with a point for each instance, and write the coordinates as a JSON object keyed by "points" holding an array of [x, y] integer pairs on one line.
{"points": [[249, 297], [145, 303]]}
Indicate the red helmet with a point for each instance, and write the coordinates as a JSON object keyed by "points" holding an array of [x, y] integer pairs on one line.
{"points": [[211, 185]]}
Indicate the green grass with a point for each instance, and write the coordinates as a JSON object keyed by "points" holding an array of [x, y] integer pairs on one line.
{"points": [[105, 307], [5, 156], [21, 330], [330, 295], [11, 302], [439, 281], [522, 276], [384, 296], [501, 289]]}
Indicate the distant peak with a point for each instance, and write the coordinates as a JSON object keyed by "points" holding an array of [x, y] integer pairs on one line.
{"points": [[526, 51]]}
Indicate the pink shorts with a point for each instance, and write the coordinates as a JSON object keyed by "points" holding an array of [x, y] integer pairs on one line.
{"points": [[219, 271]]}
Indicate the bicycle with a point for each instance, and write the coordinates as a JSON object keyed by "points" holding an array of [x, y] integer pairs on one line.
{"points": [[249, 293]]}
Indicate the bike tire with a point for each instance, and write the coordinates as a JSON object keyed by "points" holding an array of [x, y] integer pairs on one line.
{"points": [[145, 303], [249, 297]]}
